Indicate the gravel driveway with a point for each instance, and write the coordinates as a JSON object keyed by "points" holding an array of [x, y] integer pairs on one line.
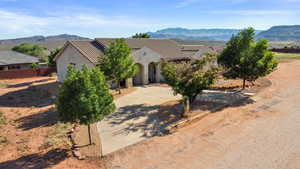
{"points": [[135, 118]]}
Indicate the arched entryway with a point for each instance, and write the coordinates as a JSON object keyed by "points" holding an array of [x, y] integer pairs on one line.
{"points": [[139, 77], [152, 72]]}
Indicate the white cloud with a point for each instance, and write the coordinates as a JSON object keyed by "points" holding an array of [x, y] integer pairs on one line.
{"points": [[254, 12], [16, 24]]}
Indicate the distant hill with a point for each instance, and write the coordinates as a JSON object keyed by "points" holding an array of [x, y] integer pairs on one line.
{"points": [[50, 42], [281, 33], [39, 39], [196, 34]]}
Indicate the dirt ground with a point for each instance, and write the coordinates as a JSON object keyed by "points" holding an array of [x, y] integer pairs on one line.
{"points": [[30, 137], [260, 134], [220, 140]]}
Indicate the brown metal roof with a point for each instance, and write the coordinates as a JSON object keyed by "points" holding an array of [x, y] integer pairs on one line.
{"points": [[166, 47]]}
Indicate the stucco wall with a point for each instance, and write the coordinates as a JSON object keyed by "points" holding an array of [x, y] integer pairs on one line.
{"points": [[145, 56], [69, 56]]}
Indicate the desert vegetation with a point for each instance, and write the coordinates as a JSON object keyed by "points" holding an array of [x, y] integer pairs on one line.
{"points": [[117, 64], [246, 59], [84, 97], [190, 78]]}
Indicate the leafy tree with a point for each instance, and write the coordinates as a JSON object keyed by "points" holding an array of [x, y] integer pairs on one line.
{"points": [[84, 97], [246, 59], [34, 66], [190, 78], [31, 49], [141, 35], [51, 56], [117, 64]]}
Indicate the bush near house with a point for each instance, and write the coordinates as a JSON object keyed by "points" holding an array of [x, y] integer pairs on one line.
{"points": [[117, 64], [190, 78]]}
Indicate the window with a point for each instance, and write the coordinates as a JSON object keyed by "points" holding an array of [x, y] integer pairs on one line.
{"points": [[14, 67]]}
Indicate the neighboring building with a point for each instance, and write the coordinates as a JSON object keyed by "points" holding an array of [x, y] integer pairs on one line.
{"points": [[147, 53], [10, 60]]}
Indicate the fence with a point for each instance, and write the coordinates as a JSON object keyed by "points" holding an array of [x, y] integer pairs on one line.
{"points": [[287, 50], [23, 73]]}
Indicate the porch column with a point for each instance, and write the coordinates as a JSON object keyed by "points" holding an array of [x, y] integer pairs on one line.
{"points": [[158, 73], [129, 82], [145, 74]]}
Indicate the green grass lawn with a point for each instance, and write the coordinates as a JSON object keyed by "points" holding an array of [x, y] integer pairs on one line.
{"points": [[287, 55]]}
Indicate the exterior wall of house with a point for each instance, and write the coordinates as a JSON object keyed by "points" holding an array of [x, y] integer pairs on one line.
{"points": [[144, 57], [70, 56]]}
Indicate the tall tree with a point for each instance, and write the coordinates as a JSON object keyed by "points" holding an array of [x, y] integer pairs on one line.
{"points": [[141, 35], [190, 78], [246, 59], [51, 56], [31, 49], [84, 97], [117, 64]]}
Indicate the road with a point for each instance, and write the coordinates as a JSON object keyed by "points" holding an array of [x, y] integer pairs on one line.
{"points": [[261, 135]]}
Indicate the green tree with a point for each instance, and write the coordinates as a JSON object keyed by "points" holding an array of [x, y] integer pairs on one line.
{"points": [[246, 59], [84, 97], [190, 78], [141, 35], [32, 49], [117, 64], [51, 56], [34, 66]]}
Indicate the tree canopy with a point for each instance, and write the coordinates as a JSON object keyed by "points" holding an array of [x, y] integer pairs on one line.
{"points": [[51, 56], [190, 78], [84, 97], [32, 49], [117, 64], [246, 59], [141, 35]]}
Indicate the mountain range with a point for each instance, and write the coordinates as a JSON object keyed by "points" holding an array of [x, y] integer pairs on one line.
{"points": [[275, 33], [281, 33], [41, 39], [196, 34]]}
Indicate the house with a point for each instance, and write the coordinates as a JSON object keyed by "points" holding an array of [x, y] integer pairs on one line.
{"points": [[10, 60], [147, 53]]}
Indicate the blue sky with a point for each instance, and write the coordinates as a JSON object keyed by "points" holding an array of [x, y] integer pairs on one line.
{"points": [[122, 18]]}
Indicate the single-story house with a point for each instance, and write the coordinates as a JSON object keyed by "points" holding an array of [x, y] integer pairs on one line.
{"points": [[10, 60], [147, 53]]}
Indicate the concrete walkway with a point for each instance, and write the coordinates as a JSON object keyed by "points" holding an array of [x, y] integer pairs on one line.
{"points": [[135, 118]]}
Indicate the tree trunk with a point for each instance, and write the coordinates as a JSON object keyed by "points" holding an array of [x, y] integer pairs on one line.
{"points": [[186, 106], [244, 83], [90, 136], [119, 86]]}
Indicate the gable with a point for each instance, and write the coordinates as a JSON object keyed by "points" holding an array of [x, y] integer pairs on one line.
{"points": [[146, 55]]}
